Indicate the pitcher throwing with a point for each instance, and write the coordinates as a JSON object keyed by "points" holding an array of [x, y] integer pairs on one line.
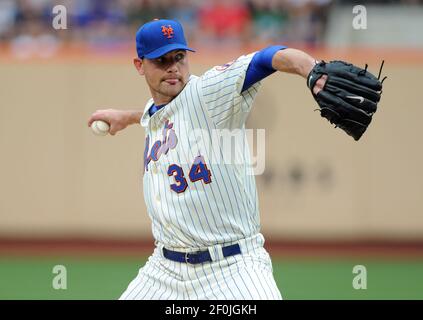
{"points": [[204, 213]]}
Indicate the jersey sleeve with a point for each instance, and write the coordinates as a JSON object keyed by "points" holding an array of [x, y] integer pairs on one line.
{"points": [[221, 89]]}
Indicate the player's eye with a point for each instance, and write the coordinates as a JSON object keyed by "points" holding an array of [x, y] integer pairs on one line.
{"points": [[179, 57]]}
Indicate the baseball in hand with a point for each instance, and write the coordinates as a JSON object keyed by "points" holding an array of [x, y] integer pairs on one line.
{"points": [[100, 127]]}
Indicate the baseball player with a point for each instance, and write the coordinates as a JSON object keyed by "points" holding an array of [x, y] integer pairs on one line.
{"points": [[204, 213]]}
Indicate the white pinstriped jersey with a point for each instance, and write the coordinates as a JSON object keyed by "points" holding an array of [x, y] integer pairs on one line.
{"points": [[193, 200]]}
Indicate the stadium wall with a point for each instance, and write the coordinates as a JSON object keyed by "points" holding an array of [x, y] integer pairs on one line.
{"points": [[59, 180]]}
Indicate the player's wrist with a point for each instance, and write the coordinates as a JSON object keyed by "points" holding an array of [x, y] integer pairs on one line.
{"points": [[134, 117], [308, 66]]}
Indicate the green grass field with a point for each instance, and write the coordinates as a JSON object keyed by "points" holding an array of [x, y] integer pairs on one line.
{"points": [[297, 278]]}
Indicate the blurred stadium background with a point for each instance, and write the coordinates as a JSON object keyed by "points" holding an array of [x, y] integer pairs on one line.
{"points": [[327, 203]]}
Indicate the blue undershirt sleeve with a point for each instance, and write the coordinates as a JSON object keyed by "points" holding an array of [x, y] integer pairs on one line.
{"points": [[260, 66]]}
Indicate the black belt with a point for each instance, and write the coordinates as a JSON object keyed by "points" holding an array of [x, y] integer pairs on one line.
{"points": [[200, 256]]}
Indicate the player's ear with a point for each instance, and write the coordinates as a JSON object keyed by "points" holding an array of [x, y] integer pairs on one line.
{"points": [[139, 65]]}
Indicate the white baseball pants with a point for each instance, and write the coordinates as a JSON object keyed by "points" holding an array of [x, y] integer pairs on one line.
{"points": [[245, 276]]}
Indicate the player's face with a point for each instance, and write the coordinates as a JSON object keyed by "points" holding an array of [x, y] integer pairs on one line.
{"points": [[166, 76]]}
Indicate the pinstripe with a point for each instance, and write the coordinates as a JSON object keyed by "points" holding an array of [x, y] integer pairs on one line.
{"points": [[173, 278], [170, 287], [166, 280], [217, 182], [153, 294], [192, 200], [187, 239], [173, 231], [229, 116], [161, 280], [230, 179], [138, 282], [235, 282], [196, 188], [265, 272], [156, 278], [254, 276], [158, 211], [220, 97], [228, 174], [225, 278], [222, 277], [191, 282], [206, 276], [218, 167], [160, 204], [217, 106], [217, 91], [239, 275], [177, 234], [152, 289], [166, 288], [250, 180], [271, 285], [211, 189], [248, 273], [186, 205], [266, 268], [137, 279], [217, 280], [227, 101], [126, 294], [149, 204], [143, 281], [251, 216], [203, 187], [183, 290], [222, 211], [200, 282], [206, 293], [219, 73], [266, 289], [231, 107], [247, 178]]}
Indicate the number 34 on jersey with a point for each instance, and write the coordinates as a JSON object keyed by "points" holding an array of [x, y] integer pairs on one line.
{"points": [[198, 170]]}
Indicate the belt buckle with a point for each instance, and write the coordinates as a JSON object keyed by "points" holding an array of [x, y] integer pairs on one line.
{"points": [[187, 258]]}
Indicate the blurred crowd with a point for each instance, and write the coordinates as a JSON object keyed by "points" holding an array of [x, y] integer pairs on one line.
{"points": [[113, 23]]}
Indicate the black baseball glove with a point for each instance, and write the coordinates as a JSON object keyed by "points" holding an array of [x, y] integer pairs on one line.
{"points": [[349, 97]]}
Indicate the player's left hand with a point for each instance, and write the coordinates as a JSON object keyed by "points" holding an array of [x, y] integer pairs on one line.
{"points": [[347, 95], [320, 84]]}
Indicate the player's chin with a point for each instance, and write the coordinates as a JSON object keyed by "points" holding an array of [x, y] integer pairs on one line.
{"points": [[172, 89]]}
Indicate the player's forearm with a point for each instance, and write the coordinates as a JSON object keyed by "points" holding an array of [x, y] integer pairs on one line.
{"points": [[134, 116], [293, 61]]}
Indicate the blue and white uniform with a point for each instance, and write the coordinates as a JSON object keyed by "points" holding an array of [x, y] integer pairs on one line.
{"points": [[198, 201]]}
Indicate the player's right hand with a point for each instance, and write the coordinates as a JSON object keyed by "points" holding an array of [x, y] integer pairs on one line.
{"points": [[117, 119]]}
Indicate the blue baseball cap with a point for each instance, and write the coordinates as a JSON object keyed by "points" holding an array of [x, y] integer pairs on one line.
{"points": [[158, 37]]}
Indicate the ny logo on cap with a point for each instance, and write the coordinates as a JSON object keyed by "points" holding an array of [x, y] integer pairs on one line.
{"points": [[167, 31]]}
